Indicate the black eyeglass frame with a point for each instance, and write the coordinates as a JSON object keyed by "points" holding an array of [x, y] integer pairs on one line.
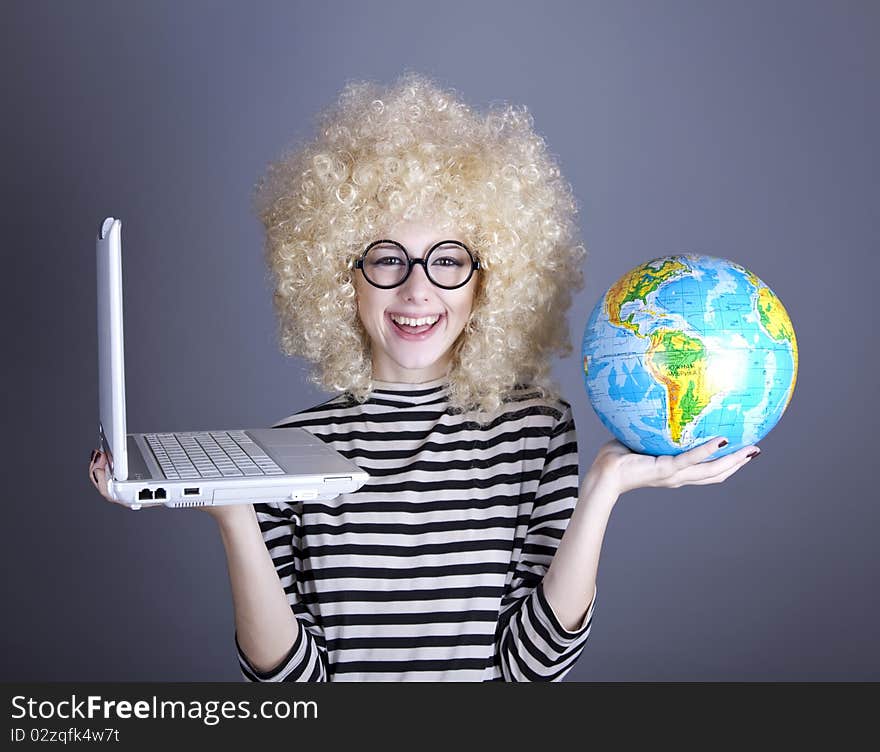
{"points": [[475, 264]]}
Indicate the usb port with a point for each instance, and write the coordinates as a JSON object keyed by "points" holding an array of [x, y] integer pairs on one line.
{"points": [[190, 491]]}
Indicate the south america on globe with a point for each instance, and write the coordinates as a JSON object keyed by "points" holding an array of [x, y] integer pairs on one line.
{"points": [[685, 348]]}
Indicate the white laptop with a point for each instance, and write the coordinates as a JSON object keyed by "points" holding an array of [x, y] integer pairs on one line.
{"points": [[198, 468]]}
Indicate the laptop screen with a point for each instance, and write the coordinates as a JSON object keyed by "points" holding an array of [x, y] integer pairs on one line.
{"points": [[111, 359]]}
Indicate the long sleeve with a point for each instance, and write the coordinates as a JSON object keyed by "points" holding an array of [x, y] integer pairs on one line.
{"points": [[531, 643], [307, 659]]}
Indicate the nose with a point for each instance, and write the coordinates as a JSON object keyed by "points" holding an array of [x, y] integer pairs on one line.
{"points": [[417, 284]]}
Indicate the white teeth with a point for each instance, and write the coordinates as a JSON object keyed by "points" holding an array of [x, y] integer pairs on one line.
{"points": [[414, 322]]}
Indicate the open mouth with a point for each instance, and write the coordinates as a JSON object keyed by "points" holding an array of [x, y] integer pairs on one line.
{"points": [[405, 331]]}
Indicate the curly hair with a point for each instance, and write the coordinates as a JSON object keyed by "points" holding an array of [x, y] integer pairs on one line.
{"points": [[383, 154]]}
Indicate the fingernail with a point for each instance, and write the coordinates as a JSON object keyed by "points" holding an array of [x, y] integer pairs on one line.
{"points": [[722, 443], [754, 454]]}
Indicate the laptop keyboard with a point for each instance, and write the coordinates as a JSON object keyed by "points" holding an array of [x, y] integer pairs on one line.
{"points": [[209, 454]]}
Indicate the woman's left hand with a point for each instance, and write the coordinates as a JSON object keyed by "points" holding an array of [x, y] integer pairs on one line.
{"points": [[628, 470]]}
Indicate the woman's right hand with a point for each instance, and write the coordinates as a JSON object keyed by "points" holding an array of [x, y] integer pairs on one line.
{"points": [[228, 513]]}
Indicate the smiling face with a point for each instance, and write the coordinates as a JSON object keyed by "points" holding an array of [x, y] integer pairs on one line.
{"points": [[400, 356]]}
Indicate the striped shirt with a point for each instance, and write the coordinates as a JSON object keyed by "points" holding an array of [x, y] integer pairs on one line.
{"points": [[433, 570]]}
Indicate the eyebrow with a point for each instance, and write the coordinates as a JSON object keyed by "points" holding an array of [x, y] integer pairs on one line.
{"points": [[428, 247]]}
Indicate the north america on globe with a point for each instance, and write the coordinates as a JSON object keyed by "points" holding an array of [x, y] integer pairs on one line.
{"points": [[687, 347]]}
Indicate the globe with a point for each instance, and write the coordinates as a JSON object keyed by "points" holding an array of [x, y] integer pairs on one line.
{"points": [[685, 348]]}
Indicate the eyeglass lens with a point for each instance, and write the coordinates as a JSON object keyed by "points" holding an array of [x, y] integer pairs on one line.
{"points": [[447, 265]]}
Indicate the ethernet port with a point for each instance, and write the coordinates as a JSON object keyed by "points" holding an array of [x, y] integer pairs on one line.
{"points": [[160, 493], [145, 494]]}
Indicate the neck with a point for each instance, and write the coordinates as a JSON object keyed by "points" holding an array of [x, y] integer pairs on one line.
{"points": [[392, 373]]}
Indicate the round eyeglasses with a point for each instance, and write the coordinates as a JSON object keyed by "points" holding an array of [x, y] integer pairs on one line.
{"points": [[386, 264]]}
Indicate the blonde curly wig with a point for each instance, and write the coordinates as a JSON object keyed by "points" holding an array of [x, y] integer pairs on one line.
{"points": [[383, 154]]}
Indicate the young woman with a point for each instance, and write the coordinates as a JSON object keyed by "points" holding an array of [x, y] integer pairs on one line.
{"points": [[424, 261]]}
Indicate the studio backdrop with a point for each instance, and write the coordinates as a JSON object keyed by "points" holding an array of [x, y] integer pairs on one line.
{"points": [[743, 130]]}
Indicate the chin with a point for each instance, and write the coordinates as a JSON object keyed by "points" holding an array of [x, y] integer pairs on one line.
{"points": [[427, 360]]}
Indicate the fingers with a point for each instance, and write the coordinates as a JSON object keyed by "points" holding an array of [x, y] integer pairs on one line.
{"points": [[705, 450], [98, 473], [673, 466], [724, 475], [714, 471]]}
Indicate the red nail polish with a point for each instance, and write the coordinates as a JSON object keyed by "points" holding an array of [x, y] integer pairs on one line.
{"points": [[723, 443], [754, 454]]}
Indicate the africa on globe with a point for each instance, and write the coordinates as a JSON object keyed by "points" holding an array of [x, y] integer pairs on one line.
{"points": [[685, 348]]}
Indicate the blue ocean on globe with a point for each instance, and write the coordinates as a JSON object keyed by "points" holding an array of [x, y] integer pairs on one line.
{"points": [[685, 348]]}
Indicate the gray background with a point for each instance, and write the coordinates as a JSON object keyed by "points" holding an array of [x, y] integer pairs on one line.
{"points": [[740, 129]]}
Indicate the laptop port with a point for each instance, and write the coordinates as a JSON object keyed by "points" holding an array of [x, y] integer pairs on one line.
{"points": [[190, 491], [145, 494], [160, 493]]}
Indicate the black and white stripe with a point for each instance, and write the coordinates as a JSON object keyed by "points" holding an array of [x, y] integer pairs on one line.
{"points": [[433, 570]]}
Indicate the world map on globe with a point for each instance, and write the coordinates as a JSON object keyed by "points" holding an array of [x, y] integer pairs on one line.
{"points": [[685, 348]]}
